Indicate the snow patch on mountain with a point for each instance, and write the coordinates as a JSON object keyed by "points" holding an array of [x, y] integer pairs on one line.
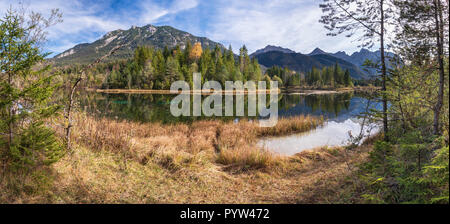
{"points": [[66, 53]]}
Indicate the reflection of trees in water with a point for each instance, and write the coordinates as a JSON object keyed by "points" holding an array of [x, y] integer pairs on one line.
{"points": [[327, 103], [156, 107], [142, 107], [331, 104]]}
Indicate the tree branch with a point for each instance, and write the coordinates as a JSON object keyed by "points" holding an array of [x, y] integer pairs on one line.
{"points": [[356, 19]]}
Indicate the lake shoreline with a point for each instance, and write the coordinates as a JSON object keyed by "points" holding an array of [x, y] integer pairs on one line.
{"points": [[165, 91], [294, 90]]}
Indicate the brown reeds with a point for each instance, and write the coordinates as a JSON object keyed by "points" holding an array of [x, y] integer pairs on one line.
{"points": [[231, 143]]}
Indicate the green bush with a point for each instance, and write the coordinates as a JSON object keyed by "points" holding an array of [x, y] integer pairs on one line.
{"points": [[407, 170]]}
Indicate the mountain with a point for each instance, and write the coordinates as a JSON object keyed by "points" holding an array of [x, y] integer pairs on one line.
{"points": [[343, 55], [304, 63], [156, 36], [319, 58], [358, 58], [317, 51], [269, 48]]}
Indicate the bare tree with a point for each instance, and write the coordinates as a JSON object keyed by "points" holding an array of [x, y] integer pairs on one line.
{"points": [[68, 110]]}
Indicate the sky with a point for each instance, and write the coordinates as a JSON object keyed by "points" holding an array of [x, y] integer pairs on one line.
{"points": [[291, 24]]}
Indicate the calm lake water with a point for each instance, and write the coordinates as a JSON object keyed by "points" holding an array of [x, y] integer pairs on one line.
{"points": [[341, 110]]}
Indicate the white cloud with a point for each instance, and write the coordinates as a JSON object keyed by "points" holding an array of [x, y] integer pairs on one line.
{"points": [[292, 24], [152, 11], [181, 5]]}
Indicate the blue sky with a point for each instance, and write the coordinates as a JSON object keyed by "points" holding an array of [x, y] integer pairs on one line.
{"points": [[255, 23]]}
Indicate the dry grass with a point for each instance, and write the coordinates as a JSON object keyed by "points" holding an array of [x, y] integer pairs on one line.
{"points": [[206, 162], [85, 176], [246, 158], [229, 143], [291, 125]]}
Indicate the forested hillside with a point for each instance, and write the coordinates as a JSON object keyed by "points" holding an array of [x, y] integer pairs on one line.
{"points": [[157, 69]]}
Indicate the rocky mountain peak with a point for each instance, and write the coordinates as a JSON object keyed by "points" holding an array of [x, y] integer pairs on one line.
{"points": [[269, 48], [317, 51], [148, 35]]}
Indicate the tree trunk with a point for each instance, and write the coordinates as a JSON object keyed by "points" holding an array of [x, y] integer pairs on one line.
{"points": [[68, 113], [10, 116], [440, 48], [383, 74]]}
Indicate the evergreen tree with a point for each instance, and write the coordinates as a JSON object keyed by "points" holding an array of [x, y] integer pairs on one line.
{"points": [[244, 60], [148, 75], [186, 52], [166, 52], [25, 92], [337, 75], [172, 71], [347, 78], [327, 76]]}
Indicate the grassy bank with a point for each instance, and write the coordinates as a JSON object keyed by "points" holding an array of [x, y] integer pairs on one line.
{"points": [[205, 162]]}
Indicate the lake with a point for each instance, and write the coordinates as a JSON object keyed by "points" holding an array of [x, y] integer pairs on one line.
{"points": [[341, 110]]}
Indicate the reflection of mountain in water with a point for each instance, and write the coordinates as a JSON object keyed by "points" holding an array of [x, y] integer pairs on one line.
{"points": [[335, 107]]}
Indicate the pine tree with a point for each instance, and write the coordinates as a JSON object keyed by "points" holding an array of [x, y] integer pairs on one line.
{"points": [[172, 71], [347, 78], [327, 76], [187, 51], [25, 91], [244, 60], [336, 74], [166, 52], [148, 75]]}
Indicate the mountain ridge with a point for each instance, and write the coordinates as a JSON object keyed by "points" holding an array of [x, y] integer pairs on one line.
{"points": [[150, 35], [304, 63], [322, 58], [269, 48]]}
